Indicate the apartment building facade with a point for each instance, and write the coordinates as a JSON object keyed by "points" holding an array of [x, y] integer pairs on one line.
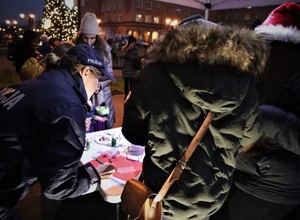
{"points": [[144, 19], [149, 19], [246, 17]]}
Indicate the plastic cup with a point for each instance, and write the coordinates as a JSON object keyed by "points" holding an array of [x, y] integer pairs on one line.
{"points": [[102, 110]]}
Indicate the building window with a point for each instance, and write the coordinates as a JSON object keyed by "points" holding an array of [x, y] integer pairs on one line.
{"points": [[178, 10], [169, 9], [120, 5], [115, 18], [108, 19], [115, 6], [228, 17], [109, 7], [237, 17], [120, 18], [102, 8], [156, 20], [259, 16], [148, 19], [139, 4], [138, 18], [247, 16], [148, 5], [157, 7], [187, 11], [217, 18]]}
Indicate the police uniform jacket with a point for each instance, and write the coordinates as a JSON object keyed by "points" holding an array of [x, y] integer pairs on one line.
{"points": [[42, 136]]}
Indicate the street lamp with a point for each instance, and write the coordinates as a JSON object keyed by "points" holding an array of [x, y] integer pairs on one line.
{"points": [[11, 25], [168, 21], [171, 22], [30, 19], [11, 22], [174, 23], [79, 13], [32, 16]]}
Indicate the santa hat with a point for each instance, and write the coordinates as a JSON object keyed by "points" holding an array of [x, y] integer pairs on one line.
{"points": [[287, 15], [89, 24]]}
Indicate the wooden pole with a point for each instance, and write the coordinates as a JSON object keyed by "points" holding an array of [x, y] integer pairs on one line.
{"points": [[79, 13]]}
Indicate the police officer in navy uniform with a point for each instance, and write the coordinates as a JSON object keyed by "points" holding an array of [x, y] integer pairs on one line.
{"points": [[42, 130]]}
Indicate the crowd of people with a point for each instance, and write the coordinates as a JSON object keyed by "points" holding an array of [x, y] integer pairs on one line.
{"points": [[246, 167]]}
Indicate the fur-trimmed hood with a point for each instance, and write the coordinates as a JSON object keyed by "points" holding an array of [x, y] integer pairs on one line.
{"points": [[215, 45], [280, 33]]}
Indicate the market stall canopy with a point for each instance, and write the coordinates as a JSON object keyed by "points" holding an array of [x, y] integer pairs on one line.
{"points": [[224, 4]]}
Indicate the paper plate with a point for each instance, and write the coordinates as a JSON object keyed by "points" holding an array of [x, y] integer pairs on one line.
{"points": [[102, 140]]}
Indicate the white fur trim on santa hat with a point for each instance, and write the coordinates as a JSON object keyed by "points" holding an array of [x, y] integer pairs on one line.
{"points": [[280, 33], [89, 24]]}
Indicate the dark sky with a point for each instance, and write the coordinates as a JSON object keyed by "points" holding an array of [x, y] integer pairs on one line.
{"points": [[11, 9]]}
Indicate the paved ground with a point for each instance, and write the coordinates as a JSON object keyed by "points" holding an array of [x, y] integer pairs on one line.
{"points": [[118, 101]]}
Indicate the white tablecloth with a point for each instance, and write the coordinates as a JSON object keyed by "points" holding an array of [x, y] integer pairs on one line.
{"points": [[111, 188], [97, 148]]}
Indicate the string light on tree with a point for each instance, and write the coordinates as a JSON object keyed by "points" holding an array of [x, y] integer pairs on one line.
{"points": [[60, 19]]}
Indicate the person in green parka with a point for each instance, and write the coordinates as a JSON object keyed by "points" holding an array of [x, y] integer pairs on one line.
{"points": [[196, 68]]}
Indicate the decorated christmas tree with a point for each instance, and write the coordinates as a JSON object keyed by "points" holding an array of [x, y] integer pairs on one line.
{"points": [[60, 21]]}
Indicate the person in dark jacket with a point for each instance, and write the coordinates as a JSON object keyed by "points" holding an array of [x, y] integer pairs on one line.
{"points": [[33, 67], [280, 83], [42, 130], [25, 48], [45, 48], [267, 181], [129, 70], [196, 68]]}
